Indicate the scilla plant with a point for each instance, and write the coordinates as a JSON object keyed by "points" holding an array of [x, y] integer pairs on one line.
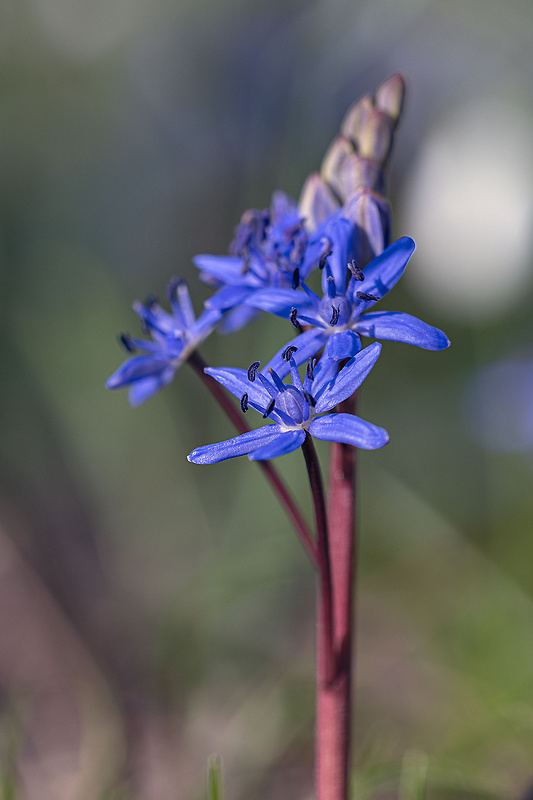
{"points": [[340, 230]]}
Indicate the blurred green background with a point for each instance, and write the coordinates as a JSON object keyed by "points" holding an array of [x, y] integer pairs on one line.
{"points": [[153, 613]]}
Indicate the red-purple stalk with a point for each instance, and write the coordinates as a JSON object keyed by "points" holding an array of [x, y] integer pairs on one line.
{"points": [[334, 699]]}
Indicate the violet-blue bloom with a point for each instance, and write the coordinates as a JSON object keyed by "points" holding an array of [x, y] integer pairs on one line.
{"points": [[342, 315], [174, 337], [294, 409], [271, 248]]}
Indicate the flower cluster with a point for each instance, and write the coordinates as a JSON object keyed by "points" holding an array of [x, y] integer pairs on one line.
{"points": [[273, 258]]}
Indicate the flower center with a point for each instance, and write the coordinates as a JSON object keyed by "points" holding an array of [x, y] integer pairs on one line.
{"points": [[336, 313], [294, 404]]}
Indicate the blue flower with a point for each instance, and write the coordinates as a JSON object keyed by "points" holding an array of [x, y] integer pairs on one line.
{"points": [[342, 315], [271, 248], [294, 409], [174, 337]]}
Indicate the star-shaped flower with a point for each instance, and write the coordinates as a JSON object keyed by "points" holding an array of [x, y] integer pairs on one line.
{"points": [[271, 248], [294, 409], [174, 337], [342, 315]]}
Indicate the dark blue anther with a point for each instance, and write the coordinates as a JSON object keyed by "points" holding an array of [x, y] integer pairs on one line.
{"points": [[296, 278], [151, 300], [270, 408], [293, 316], [288, 352], [244, 403], [311, 364], [324, 258], [173, 287], [252, 369], [310, 399], [335, 315], [366, 296], [127, 343], [358, 274]]}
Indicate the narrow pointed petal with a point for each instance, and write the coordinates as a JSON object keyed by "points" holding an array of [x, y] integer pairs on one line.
{"points": [[325, 371], [340, 233], [238, 446], [227, 269], [343, 345], [398, 327], [135, 369], [142, 390], [386, 270], [237, 318], [284, 443], [236, 381], [185, 304], [308, 344], [228, 297], [348, 380], [349, 429], [276, 301], [205, 323]]}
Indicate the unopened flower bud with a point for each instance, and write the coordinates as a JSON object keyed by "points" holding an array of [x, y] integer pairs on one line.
{"points": [[371, 214], [317, 201], [375, 138], [390, 96], [339, 150], [359, 173], [356, 116]]}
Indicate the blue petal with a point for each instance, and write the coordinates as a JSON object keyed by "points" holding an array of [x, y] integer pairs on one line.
{"points": [[184, 303], [348, 379], [237, 318], [238, 446], [206, 322], [141, 390], [398, 327], [228, 297], [227, 269], [284, 206], [349, 429], [135, 369], [276, 301], [344, 344], [340, 233], [280, 446], [236, 381], [385, 271], [325, 371], [308, 344]]}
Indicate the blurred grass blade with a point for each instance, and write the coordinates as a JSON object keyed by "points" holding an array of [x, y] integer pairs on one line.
{"points": [[413, 778], [214, 779]]}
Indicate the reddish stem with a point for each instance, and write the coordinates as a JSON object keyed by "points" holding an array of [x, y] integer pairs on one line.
{"points": [[334, 712], [280, 490]]}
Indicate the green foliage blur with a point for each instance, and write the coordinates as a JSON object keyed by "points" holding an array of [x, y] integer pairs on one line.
{"points": [[153, 613]]}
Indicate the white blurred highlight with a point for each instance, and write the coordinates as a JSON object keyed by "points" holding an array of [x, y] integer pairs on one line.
{"points": [[469, 207]]}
